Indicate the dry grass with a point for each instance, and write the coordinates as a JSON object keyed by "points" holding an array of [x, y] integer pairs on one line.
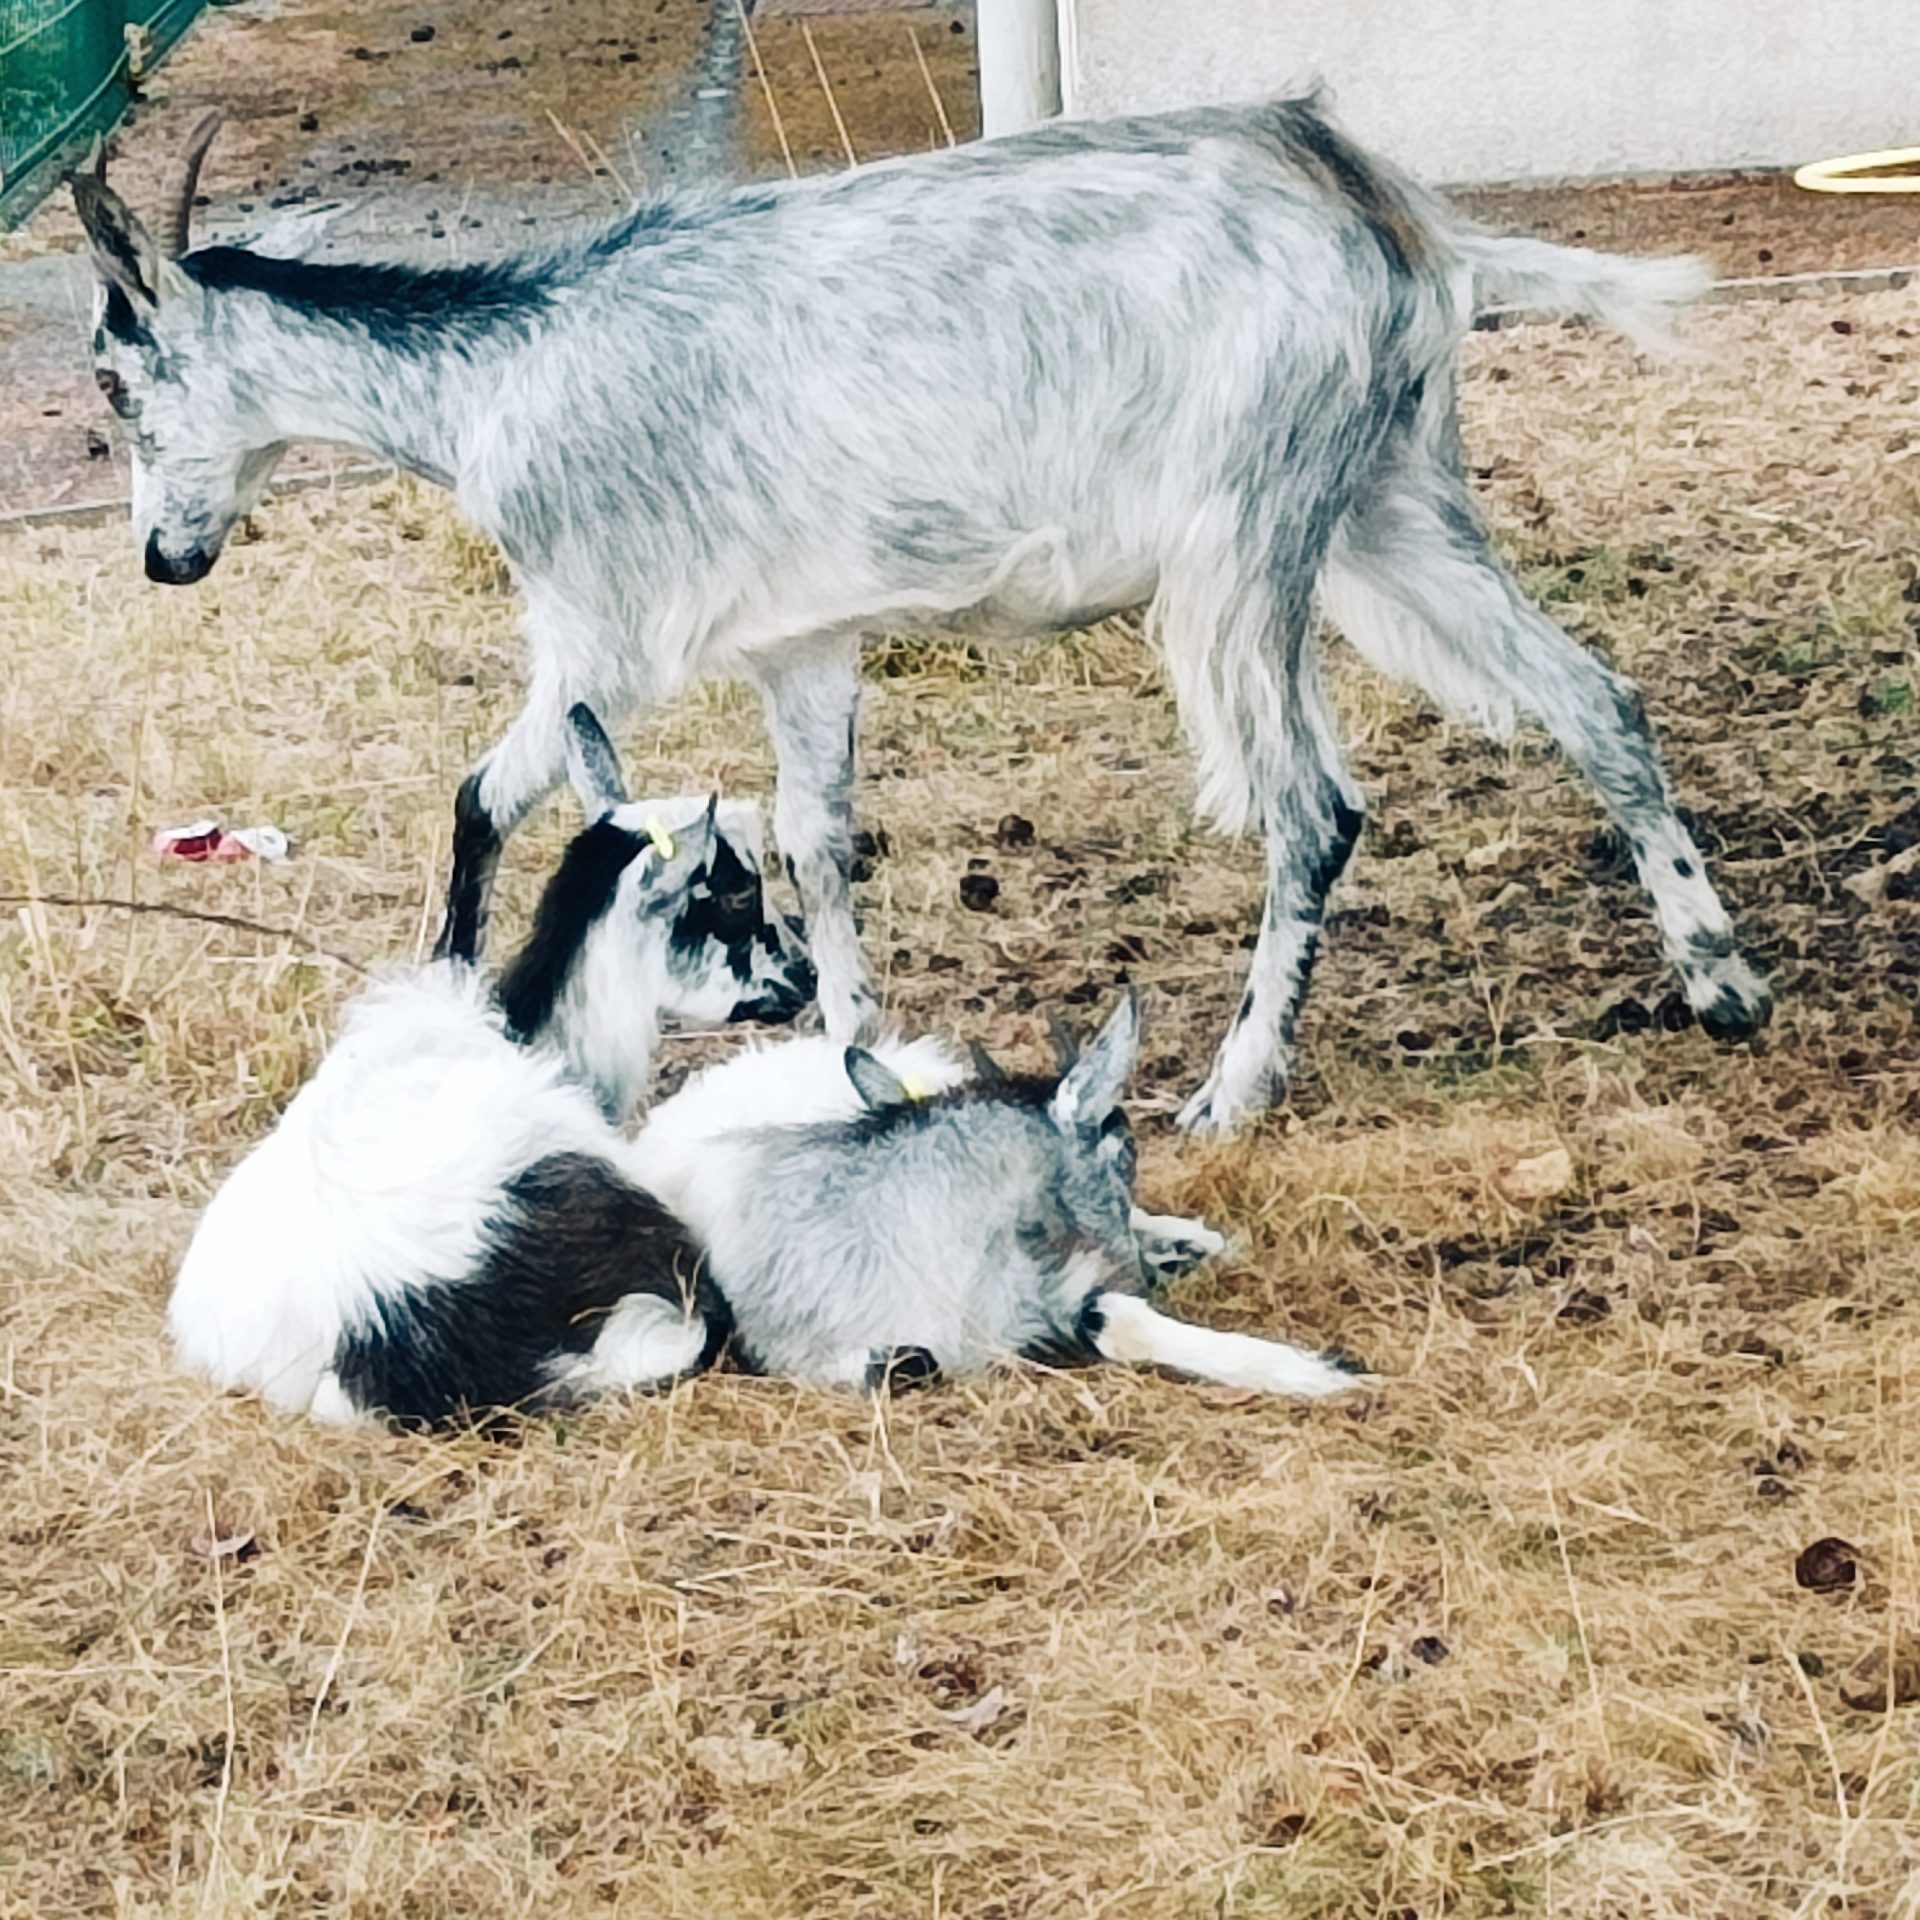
{"points": [[1520, 1636]]}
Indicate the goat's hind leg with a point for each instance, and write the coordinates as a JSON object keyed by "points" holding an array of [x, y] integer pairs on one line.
{"points": [[1126, 1329], [1417, 589]]}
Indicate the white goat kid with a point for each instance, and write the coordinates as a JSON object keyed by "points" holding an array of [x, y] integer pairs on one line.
{"points": [[1201, 362], [441, 1224], [949, 1225]]}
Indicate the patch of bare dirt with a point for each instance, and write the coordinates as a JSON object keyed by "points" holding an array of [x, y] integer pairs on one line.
{"points": [[422, 103]]}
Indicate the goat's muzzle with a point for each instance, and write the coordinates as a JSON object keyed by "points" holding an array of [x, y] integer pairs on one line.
{"points": [[180, 570], [781, 1001]]}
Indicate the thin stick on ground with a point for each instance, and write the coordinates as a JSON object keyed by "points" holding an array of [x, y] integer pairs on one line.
{"points": [[339, 1652], [140, 733], [165, 909], [826, 87], [1834, 1774], [933, 92], [1580, 1627], [766, 89], [588, 165]]}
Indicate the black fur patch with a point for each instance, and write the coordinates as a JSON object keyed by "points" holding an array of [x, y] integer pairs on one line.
{"points": [[1317, 148], [579, 893], [1347, 824], [119, 319], [476, 853], [398, 305], [661, 218], [1074, 1347], [902, 1369], [574, 1241], [724, 908]]}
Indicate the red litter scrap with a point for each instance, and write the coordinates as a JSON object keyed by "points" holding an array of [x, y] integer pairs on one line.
{"points": [[208, 840]]}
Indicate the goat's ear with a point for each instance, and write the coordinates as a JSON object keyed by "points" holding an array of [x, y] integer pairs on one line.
{"points": [[124, 252], [986, 1069], [1093, 1085], [592, 764], [878, 1086]]}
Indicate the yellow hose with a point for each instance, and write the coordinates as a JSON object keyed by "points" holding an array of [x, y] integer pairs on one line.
{"points": [[1852, 173]]}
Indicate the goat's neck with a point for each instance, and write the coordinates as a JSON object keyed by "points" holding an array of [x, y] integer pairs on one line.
{"points": [[607, 1031], [414, 405]]}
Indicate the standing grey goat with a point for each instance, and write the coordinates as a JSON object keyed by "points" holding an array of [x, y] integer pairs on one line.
{"points": [[1201, 362]]}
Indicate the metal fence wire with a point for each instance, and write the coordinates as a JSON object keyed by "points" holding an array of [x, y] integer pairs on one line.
{"points": [[65, 66]]}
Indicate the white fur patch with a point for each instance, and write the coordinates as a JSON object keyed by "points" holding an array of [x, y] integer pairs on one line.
{"points": [[1135, 1333], [790, 1083], [1171, 1244], [382, 1172], [646, 1340]]}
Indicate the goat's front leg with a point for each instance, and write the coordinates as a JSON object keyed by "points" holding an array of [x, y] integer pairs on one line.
{"points": [[529, 761], [813, 703], [1313, 823], [1128, 1330], [1171, 1245]]}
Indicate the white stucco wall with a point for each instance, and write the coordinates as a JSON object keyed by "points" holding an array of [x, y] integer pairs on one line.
{"points": [[1483, 90]]}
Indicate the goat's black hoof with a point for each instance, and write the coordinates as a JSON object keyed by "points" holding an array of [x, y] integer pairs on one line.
{"points": [[1345, 1362], [903, 1369], [1732, 1016]]}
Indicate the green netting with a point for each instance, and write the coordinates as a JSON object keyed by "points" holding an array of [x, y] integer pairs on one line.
{"points": [[63, 78]]}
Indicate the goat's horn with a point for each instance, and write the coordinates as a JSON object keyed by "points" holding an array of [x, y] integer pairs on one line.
{"points": [[182, 183], [95, 164]]}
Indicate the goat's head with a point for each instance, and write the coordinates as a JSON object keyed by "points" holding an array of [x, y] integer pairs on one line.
{"points": [[200, 459], [1091, 1160], [1099, 1160], [656, 909]]}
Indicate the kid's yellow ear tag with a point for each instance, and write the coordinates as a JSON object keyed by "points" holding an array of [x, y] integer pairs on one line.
{"points": [[914, 1091], [661, 838]]}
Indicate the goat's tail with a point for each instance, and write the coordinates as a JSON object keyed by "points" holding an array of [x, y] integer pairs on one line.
{"points": [[1634, 297]]}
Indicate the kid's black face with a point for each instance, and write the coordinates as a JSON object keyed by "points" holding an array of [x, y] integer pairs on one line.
{"points": [[726, 961], [722, 936]]}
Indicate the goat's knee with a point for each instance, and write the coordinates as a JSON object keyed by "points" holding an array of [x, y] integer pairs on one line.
{"points": [[1311, 835]]}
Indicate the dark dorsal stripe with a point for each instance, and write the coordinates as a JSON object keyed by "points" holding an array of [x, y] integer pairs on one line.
{"points": [[573, 1240], [1031, 1091], [393, 303], [1319, 150], [579, 893]]}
